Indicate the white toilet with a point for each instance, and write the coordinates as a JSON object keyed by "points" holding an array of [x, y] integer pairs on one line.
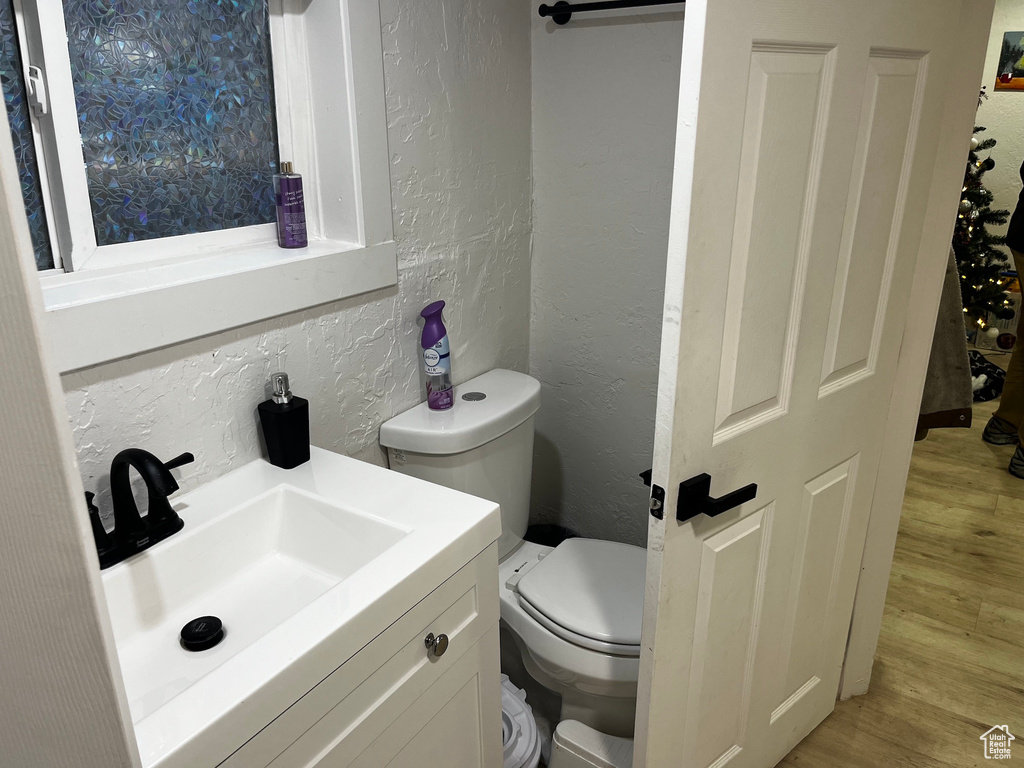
{"points": [[574, 611]]}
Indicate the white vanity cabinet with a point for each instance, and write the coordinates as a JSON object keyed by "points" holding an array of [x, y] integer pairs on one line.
{"points": [[396, 702]]}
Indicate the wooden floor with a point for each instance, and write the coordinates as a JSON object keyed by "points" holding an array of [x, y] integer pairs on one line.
{"points": [[950, 660]]}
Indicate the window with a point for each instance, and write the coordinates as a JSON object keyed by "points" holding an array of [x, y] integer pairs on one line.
{"points": [[175, 103], [174, 109], [147, 134]]}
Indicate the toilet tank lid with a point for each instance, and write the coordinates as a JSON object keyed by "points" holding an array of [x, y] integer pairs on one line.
{"points": [[509, 399]]}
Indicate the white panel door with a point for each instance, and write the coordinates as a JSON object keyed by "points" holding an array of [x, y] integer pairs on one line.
{"points": [[806, 145]]}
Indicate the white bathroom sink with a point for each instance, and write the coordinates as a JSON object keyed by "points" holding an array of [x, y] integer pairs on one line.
{"points": [[302, 566], [252, 567]]}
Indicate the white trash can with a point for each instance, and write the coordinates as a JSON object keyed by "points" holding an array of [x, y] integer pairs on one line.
{"points": [[576, 745], [519, 735]]}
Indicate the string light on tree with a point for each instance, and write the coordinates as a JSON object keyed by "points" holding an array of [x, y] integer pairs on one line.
{"points": [[979, 258]]}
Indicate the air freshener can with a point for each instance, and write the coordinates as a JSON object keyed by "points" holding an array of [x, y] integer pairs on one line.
{"points": [[437, 361]]}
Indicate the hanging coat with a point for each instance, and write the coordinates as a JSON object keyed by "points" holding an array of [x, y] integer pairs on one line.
{"points": [[1015, 232], [947, 397]]}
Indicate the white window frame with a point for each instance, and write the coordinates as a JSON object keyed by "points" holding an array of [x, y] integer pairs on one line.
{"points": [[40, 154], [128, 298]]}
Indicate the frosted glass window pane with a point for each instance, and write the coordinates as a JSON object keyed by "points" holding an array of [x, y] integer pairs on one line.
{"points": [[176, 109], [21, 132]]}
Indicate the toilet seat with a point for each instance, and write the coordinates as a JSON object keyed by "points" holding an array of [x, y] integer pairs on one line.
{"points": [[615, 649], [590, 593]]}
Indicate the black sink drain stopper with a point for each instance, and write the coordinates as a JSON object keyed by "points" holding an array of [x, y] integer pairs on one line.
{"points": [[202, 633]]}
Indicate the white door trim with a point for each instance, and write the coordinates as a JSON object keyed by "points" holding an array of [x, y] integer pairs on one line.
{"points": [[890, 483], [62, 701]]}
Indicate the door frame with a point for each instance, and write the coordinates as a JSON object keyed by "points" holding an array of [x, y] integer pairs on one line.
{"points": [[62, 672], [110, 721], [912, 365]]}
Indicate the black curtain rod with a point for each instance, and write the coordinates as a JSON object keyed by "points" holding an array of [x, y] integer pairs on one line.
{"points": [[562, 11]]}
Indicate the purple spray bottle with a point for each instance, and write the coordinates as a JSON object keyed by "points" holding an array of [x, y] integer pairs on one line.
{"points": [[437, 361], [291, 208]]}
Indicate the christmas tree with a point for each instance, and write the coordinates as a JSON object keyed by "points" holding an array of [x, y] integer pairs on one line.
{"points": [[978, 256]]}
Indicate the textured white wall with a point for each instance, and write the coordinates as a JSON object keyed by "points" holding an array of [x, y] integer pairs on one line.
{"points": [[1003, 113], [605, 92], [457, 77]]}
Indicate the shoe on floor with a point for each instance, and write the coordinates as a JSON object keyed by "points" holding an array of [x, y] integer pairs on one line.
{"points": [[1017, 463], [999, 432]]}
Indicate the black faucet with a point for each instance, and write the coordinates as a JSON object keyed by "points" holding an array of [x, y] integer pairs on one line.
{"points": [[132, 532]]}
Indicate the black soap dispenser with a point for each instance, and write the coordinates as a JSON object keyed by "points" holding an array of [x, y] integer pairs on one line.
{"points": [[285, 420]]}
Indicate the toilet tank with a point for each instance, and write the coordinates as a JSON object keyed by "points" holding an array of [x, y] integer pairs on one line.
{"points": [[483, 445]]}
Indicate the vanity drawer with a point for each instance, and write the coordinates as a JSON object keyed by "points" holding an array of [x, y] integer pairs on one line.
{"points": [[351, 707]]}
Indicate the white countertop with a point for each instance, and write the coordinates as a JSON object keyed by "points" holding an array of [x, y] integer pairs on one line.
{"points": [[215, 714]]}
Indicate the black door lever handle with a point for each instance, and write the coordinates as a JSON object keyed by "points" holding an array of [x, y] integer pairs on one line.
{"points": [[695, 498]]}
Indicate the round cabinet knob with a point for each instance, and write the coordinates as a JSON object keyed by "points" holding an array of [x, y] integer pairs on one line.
{"points": [[436, 646]]}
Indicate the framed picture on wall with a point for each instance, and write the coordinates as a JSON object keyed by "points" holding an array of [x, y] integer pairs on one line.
{"points": [[1010, 74]]}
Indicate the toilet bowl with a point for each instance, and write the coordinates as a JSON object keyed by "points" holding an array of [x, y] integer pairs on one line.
{"points": [[573, 611], [581, 642]]}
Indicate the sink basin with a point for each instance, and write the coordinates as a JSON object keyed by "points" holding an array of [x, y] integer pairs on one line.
{"points": [[302, 566], [252, 567]]}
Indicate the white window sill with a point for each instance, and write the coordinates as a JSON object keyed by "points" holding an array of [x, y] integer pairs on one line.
{"points": [[103, 315]]}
